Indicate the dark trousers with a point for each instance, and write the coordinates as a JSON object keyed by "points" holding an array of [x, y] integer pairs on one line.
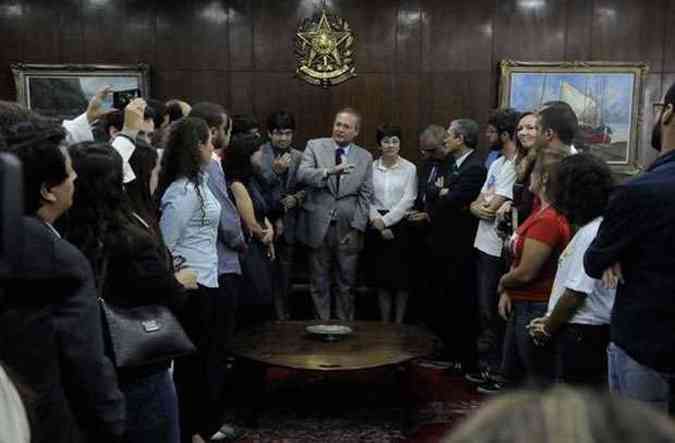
{"points": [[450, 308], [199, 378], [230, 288], [283, 268], [581, 355], [523, 361], [489, 269], [152, 409]]}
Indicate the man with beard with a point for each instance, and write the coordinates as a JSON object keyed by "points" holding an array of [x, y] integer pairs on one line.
{"points": [[634, 250], [279, 164]]}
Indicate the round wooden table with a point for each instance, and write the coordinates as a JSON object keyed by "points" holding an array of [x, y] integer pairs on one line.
{"points": [[371, 345], [288, 345]]}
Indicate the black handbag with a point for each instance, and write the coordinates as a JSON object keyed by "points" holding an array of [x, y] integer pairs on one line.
{"points": [[142, 335]]}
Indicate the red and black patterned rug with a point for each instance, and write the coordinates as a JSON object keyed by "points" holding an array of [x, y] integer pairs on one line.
{"points": [[361, 407]]}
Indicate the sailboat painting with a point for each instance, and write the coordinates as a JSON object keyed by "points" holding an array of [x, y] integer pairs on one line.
{"points": [[606, 100]]}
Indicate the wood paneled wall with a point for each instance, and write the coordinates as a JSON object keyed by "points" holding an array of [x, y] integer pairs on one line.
{"points": [[418, 61]]}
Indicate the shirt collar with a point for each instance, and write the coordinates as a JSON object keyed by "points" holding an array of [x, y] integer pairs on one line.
{"points": [[460, 160], [53, 229], [380, 165], [344, 148], [667, 158]]}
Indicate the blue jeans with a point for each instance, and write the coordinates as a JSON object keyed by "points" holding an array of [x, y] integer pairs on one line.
{"points": [[152, 408], [628, 378], [522, 360]]}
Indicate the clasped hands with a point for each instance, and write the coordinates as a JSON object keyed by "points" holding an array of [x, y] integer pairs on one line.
{"points": [[281, 163], [378, 223]]}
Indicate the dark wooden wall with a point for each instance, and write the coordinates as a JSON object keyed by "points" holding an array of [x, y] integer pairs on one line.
{"points": [[418, 61]]}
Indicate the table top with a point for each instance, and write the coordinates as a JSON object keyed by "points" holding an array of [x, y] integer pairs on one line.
{"points": [[371, 345]]}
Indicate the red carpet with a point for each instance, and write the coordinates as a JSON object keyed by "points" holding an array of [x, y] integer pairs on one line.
{"points": [[360, 407]]}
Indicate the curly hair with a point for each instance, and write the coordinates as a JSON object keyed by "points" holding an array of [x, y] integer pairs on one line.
{"points": [[238, 166], [182, 158], [579, 187], [100, 211]]}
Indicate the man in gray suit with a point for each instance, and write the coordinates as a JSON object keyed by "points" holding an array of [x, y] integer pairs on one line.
{"points": [[279, 175], [334, 215]]}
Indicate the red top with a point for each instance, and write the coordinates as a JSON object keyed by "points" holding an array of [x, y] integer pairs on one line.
{"points": [[549, 227]]}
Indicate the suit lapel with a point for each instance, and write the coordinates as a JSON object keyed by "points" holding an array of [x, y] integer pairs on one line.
{"points": [[328, 150], [351, 157]]}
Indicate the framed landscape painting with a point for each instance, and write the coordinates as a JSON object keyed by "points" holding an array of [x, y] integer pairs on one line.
{"points": [[605, 96], [63, 91]]}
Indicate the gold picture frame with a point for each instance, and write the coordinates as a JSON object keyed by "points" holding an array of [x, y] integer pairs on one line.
{"points": [[63, 91], [607, 97]]}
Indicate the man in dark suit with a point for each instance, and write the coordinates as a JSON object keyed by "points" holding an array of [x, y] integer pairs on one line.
{"points": [[633, 250], [50, 325], [279, 174], [450, 187]]}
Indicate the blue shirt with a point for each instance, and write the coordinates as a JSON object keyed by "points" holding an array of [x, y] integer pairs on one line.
{"points": [[230, 235], [190, 230], [491, 157]]}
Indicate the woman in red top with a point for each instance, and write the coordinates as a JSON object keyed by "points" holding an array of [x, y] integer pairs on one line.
{"points": [[524, 290]]}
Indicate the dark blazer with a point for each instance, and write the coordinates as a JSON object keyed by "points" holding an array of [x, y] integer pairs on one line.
{"points": [[638, 231], [276, 187], [453, 227], [51, 339]]}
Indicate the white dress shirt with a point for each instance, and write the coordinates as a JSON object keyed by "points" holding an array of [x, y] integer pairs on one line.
{"points": [[394, 190]]}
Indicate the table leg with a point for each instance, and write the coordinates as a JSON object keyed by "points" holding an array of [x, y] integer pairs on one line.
{"points": [[250, 391], [404, 375]]}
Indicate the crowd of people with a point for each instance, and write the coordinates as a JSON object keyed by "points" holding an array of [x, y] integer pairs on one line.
{"points": [[513, 260]]}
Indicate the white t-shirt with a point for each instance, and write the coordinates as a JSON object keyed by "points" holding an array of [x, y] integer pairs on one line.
{"points": [[500, 179], [572, 275]]}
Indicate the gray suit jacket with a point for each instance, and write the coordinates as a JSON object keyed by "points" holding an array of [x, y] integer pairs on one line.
{"points": [[351, 205], [278, 188]]}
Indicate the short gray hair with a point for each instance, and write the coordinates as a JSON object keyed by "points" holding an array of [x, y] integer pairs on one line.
{"points": [[435, 133], [468, 129]]}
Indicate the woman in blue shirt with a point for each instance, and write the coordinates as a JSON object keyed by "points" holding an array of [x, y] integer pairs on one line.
{"points": [[189, 224]]}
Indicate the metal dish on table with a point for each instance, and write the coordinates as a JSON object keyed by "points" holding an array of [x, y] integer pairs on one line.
{"points": [[329, 332]]}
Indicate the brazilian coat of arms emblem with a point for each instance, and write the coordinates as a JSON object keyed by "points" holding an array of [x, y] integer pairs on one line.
{"points": [[324, 50]]}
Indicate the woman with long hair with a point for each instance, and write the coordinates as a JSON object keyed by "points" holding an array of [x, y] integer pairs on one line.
{"points": [[134, 269], [189, 219], [516, 210], [243, 160]]}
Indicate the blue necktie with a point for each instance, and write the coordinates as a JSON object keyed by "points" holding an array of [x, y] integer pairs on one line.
{"points": [[339, 152]]}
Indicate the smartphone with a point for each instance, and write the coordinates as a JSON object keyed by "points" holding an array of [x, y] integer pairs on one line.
{"points": [[122, 98]]}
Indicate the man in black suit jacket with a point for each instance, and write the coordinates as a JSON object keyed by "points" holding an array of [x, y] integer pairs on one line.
{"points": [[450, 185], [50, 324]]}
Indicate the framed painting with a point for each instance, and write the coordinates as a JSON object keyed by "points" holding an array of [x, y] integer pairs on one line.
{"points": [[605, 96], [63, 91]]}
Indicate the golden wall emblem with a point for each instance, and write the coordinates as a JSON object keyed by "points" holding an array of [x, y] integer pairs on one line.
{"points": [[323, 48]]}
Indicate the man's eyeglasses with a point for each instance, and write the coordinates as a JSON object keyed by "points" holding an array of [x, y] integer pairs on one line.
{"points": [[658, 107]]}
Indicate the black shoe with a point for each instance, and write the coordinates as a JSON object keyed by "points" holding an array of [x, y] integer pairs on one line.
{"points": [[477, 377], [455, 370], [490, 387]]}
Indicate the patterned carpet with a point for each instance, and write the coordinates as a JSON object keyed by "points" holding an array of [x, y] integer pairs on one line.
{"points": [[360, 407]]}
